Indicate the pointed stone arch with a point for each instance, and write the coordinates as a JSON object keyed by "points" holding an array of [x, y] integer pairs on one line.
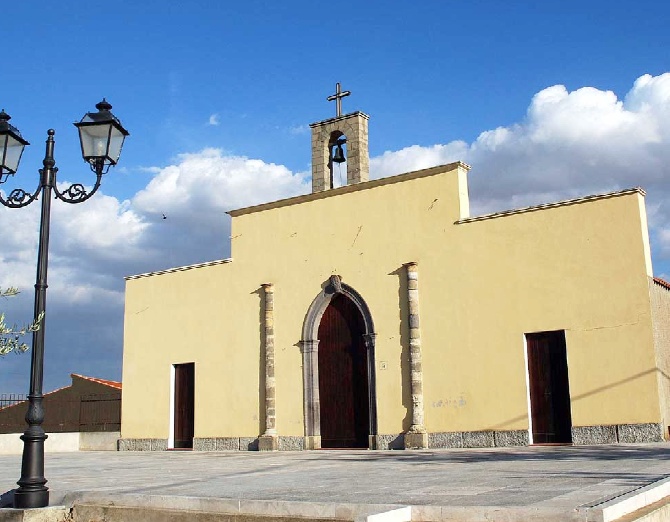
{"points": [[309, 346]]}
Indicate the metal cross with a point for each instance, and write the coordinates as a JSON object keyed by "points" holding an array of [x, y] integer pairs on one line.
{"points": [[337, 97]]}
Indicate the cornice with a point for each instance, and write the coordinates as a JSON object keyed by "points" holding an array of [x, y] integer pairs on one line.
{"points": [[346, 189], [179, 269], [545, 206]]}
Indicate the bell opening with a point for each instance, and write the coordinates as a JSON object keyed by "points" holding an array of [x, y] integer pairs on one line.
{"points": [[338, 154], [337, 159]]}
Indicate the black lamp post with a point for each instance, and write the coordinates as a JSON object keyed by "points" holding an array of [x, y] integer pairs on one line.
{"points": [[101, 135]]}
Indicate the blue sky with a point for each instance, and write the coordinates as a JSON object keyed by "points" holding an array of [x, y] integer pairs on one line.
{"points": [[218, 97]]}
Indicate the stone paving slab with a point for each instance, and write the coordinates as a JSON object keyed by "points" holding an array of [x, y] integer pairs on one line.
{"points": [[528, 483]]}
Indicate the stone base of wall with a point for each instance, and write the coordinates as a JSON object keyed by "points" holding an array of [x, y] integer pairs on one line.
{"points": [[581, 435], [142, 444], [225, 444], [291, 443], [389, 442], [617, 434], [478, 439], [212, 444]]}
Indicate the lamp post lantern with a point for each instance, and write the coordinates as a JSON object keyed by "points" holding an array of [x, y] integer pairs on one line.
{"points": [[101, 135]]}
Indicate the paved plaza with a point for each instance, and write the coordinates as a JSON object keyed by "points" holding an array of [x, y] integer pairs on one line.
{"points": [[547, 483]]}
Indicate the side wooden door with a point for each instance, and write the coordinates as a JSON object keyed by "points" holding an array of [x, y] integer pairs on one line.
{"points": [[549, 387], [184, 405]]}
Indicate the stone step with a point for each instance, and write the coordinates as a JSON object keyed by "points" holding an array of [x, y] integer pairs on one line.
{"points": [[97, 513], [91, 512]]}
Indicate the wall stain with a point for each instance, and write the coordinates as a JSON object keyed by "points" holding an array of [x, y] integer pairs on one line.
{"points": [[357, 234], [456, 403]]}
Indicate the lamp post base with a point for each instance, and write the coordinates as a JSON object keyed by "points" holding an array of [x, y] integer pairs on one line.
{"points": [[31, 499], [32, 491]]}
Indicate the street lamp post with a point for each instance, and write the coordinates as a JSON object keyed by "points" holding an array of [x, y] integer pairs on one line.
{"points": [[101, 135]]}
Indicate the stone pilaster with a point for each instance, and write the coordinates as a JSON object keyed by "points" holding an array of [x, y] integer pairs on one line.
{"points": [[416, 437], [358, 158], [311, 404], [268, 441], [369, 340]]}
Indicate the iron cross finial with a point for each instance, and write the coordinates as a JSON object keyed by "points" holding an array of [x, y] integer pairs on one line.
{"points": [[337, 97]]}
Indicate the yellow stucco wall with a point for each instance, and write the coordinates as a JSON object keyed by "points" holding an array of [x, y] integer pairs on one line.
{"points": [[660, 312], [483, 283]]}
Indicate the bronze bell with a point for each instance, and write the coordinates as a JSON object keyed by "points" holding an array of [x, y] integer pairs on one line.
{"points": [[338, 157]]}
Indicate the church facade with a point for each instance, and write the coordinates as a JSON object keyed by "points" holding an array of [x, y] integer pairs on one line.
{"points": [[381, 315]]}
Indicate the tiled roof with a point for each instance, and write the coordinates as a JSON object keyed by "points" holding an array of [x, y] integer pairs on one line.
{"points": [[662, 282], [112, 384]]}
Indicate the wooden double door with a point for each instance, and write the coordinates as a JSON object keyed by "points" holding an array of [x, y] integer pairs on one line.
{"points": [[343, 376], [549, 387]]}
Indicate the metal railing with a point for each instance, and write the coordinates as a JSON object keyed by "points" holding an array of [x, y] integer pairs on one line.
{"points": [[9, 399]]}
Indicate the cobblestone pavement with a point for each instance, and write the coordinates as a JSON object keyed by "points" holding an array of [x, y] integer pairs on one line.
{"points": [[555, 478]]}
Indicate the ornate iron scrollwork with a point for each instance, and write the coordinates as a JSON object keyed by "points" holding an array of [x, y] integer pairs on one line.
{"points": [[18, 198], [76, 193]]}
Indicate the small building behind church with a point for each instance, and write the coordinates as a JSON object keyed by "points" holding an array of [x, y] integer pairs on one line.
{"points": [[84, 416], [382, 315]]}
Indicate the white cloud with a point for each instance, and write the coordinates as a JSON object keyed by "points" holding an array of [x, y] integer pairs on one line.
{"points": [[19, 247], [209, 183], [195, 192], [214, 120], [577, 143], [103, 223], [95, 244], [415, 158], [150, 170], [88, 243], [298, 130]]}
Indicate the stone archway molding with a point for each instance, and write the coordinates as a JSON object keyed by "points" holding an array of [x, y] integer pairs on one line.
{"points": [[310, 328], [309, 346]]}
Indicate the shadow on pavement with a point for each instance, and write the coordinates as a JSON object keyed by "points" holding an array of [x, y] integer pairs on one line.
{"points": [[7, 499]]}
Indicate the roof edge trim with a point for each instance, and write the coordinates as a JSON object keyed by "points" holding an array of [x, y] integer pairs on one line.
{"points": [[105, 382], [345, 189], [179, 269], [545, 206], [339, 118]]}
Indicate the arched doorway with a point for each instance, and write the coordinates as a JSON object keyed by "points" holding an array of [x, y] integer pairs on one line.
{"points": [[343, 376], [347, 336]]}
